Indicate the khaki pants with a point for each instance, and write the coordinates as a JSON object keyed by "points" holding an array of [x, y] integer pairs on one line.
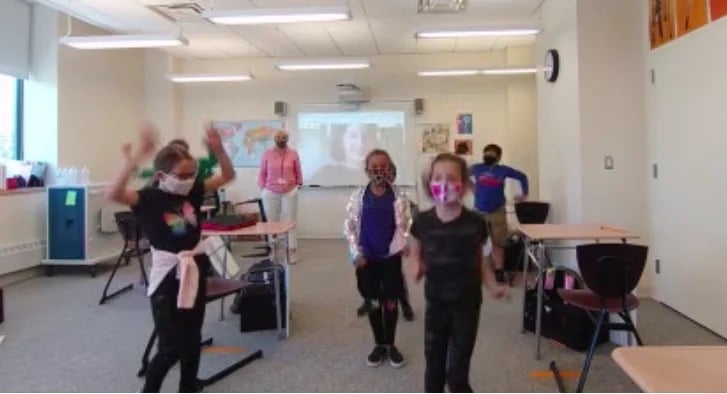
{"points": [[497, 226]]}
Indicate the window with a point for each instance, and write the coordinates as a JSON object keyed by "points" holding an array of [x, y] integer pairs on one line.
{"points": [[11, 117]]}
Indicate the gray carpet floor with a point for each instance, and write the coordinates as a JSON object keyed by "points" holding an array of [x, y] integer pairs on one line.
{"points": [[57, 338]]}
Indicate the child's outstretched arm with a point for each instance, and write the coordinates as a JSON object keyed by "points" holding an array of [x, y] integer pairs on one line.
{"points": [[351, 226], [227, 172], [417, 263], [118, 191]]}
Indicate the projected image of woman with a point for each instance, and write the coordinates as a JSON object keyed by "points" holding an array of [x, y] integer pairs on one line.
{"points": [[349, 145]]}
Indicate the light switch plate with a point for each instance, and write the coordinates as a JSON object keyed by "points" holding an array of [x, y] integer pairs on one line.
{"points": [[608, 163]]}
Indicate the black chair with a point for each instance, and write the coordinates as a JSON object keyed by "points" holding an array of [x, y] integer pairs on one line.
{"points": [[532, 212], [213, 199], [266, 248], [529, 212], [135, 245], [611, 272], [217, 288]]}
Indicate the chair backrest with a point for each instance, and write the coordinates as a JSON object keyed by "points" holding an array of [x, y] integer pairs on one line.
{"points": [[261, 207], [532, 212], [129, 226], [611, 270]]}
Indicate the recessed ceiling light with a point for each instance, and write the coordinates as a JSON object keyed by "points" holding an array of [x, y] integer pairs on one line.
{"points": [[463, 72], [123, 41], [260, 16], [446, 73], [476, 33], [192, 78], [332, 64], [509, 71]]}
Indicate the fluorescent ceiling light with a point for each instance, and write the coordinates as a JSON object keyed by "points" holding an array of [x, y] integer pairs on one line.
{"points": [[461, 72], [447, 73], [123, 41], [191, 78], [259, 16], [477, 33], [334, 64], [509, 71]]}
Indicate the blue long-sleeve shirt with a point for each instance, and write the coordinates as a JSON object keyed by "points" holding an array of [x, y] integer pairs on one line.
{"points": [[490, 185]]}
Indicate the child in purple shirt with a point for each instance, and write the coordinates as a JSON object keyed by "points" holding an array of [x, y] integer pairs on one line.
{"points": [[376, 226]]}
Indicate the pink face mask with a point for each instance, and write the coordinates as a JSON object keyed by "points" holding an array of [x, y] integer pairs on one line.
{"points": [[444, 192]]}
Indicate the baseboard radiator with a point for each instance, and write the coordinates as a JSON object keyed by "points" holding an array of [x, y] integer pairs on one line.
{"points": [[21, 256]]}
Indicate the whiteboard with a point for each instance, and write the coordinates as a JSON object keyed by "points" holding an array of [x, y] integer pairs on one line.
{"points": [[333, 144]]}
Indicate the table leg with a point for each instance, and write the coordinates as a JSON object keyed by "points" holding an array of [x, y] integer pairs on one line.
{"points": [[276, 284], [538, 314], [226, 244], [526, 263], [287, 286]]}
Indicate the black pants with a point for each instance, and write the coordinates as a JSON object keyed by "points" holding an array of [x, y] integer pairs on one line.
{"points": [[382, 281], [449, 338], [179, 333]]}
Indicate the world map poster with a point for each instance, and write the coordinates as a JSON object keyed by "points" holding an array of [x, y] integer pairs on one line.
{"points": [[246, 141]]}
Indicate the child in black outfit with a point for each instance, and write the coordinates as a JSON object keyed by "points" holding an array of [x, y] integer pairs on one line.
{"points": [[446, 247], [170, 217]]}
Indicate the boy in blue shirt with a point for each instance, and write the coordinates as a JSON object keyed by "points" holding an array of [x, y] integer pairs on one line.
{"points": [[489, 180]]}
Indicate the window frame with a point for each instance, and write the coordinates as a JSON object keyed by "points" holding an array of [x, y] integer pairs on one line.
{"points": [[19, 113]]}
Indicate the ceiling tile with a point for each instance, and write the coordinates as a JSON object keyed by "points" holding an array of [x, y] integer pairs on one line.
{"points": [[270, 40], [474, 44], [353, 38], [312, 38]]}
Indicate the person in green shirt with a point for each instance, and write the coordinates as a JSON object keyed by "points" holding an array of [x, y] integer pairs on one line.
{"points": [[205, 165]]}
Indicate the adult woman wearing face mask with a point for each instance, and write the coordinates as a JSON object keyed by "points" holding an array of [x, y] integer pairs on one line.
{"points": [[489, 180], [279, 178]]}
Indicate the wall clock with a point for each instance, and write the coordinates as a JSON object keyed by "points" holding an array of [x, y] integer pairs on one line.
{"points": [[552, 65]]}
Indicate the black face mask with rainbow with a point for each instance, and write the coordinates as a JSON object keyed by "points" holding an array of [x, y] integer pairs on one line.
{"points": [[379, 177]]}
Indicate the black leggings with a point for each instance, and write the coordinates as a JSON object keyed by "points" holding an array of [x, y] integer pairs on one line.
{"points": [[382, 281], [179, 333], [450, 332]]}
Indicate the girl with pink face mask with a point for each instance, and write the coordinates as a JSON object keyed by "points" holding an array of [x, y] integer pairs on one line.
{"points": [[446, 247]]}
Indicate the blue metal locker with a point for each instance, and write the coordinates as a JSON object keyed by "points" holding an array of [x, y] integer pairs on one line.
{"points": [[66, 223]]}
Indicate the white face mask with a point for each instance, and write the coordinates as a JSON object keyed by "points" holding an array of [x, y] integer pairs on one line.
{"points": [[171, 184]]}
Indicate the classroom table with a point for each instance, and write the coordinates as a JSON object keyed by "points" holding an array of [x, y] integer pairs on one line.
{"points": [[261, 229], [207, 210], [684, 369], [536, 235]]}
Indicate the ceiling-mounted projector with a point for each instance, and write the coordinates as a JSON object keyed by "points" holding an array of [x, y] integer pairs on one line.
{"points": [[350, 94], [441, 6]]}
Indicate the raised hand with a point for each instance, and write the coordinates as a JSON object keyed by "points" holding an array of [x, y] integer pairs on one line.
{"points": [[214, 142], [126, 150], [147, 139]]}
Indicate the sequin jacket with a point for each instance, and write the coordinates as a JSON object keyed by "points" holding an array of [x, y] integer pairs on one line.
{"points": [[352, 224]]}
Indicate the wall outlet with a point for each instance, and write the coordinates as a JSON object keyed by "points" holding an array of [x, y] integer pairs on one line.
{"points": [[655, 170], [608, 163], [658, 266]]}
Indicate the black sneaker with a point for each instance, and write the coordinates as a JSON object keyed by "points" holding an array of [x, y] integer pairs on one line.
{"points": [[395, 358], [407, 312], [364, 309], [376, 357], [500, 276]]}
